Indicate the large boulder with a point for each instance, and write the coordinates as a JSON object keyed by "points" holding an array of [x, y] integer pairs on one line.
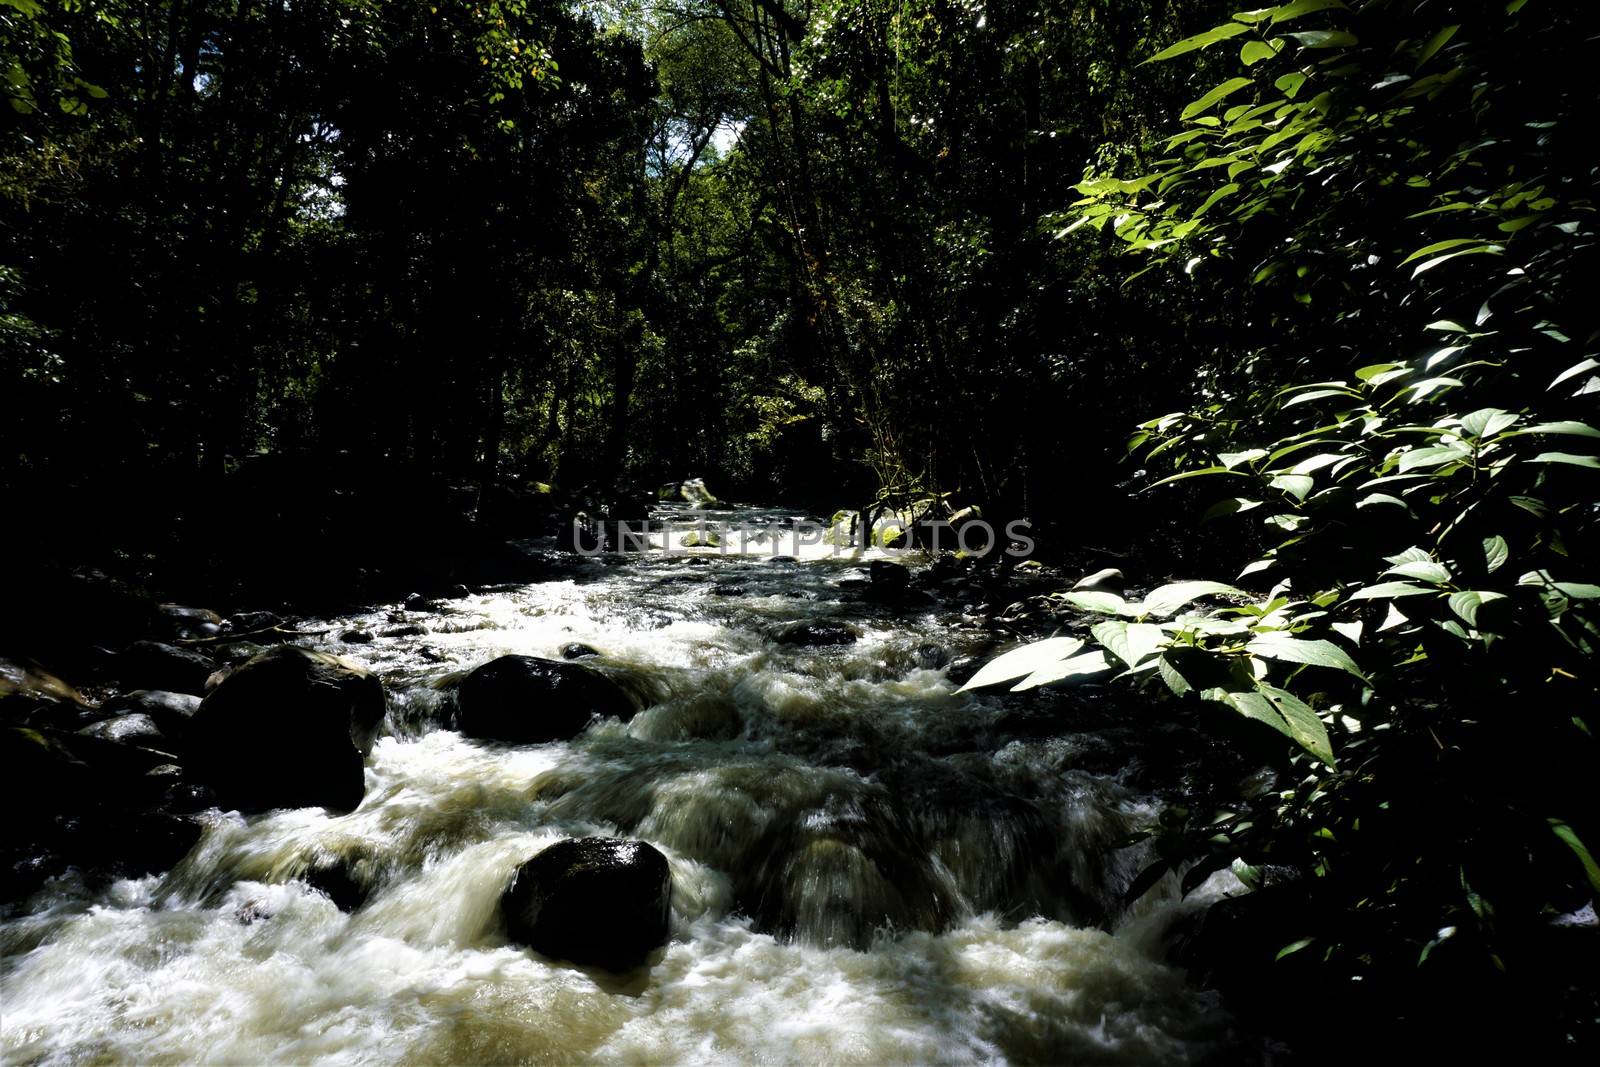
{"points": [[170, 712], [592, 900], [529, 700], [289, 728]]}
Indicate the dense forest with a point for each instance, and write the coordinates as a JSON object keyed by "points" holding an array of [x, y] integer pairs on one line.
{"points": [[1286, 314]]}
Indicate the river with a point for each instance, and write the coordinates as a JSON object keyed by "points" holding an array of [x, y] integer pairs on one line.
{"points": [[868, 867]]}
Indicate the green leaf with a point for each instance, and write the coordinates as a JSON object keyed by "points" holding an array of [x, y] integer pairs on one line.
{"points": [[1166, 599], [1467, 602], [1296, 485], [1131, 642], [1286, 12], [1440, 246], [1169, 674], [1234, 459], [1199, 40], [1486, 422], [1226, 89], [1020, 662], [1310, 651], [1325, 39], [1590, 869], [1495, 553], [1568, 458], [1076, 667], [1098, 600], [1436, 42], [1254, 52], [1425, 570], [1305, 726], [1434, 456], [1194, 474], [1291, 949], [1230, 506], [1381, 498], [1576, 429], [1575, 370]]}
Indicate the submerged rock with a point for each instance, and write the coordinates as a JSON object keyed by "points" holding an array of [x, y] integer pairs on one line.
{"points": [[288, 729], [813, 632], [592, 900], [578, 650], [528, 700]]}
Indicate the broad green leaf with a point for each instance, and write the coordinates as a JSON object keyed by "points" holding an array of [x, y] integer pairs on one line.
{"points": [[1579, 590], [1254, 52], [1467, 602], [1285, 12], [1090, 663], [1166, 599], [1199, 40], [1368, 373], [1305, 726], [1020, 662], [1429, 264], [1098, 600], [1319, 394], [1131, 642], [1234, 459], [1226, 89], [1290, 84], [1381, 498], [1296, 485], [1575, 370], [1567, 458], [1434, 456], [1575, 429], [1425, 570], [1486, 422], [1495, 553], [1325, 39], [1169, 674], [1308, 650]]}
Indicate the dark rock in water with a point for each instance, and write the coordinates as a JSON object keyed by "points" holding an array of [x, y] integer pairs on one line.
{"points": [[333, 878], [187, 615], [183, 797], [418, 602], [250, 621], [288, 729], [813, 632], [153, 665], [528, 700], [31, 695], [356, 637], [728, 590], [134, 728], [592, 900], [170, 712], [459, 591], [151, 842], [888, 576], [931, 657], [404, 631], [578, 650]]}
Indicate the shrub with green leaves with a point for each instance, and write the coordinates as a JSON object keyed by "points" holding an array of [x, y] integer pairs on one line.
{"points": [[1402, 200]]}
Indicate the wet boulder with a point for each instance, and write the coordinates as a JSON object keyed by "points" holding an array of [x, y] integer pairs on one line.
{"points": [[289, 728], [600, 901], [811, 633], [578, 650], [170, 712], [529, 700], [154, 665], [133, 728]]}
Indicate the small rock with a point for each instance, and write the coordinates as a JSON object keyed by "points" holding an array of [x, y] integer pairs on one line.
{"points": [[130, 729], [1109, 580], [578, 650], [356, 637]]}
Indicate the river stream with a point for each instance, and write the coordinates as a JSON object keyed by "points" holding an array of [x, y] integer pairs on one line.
{"points": [[868, 867]]}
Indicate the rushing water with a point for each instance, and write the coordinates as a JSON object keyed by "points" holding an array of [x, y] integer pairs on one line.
{"points": [[867, 866]]}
